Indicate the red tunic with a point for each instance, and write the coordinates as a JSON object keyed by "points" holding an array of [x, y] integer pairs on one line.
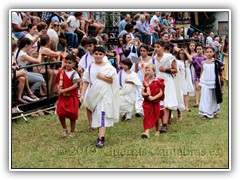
{"points": [[152, 108], [67, 105]]}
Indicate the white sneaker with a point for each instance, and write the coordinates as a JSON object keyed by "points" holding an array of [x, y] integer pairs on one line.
{"points": [[27, 98], [18, 110]]}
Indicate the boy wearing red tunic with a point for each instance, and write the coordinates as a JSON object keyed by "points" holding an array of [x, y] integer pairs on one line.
{"points": [[152, 93], [68, 83]]}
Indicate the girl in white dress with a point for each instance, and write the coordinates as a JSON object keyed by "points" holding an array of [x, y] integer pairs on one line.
{"points": [[209, 80], [187, 85], [166, 66], [102, 97], [139, 68]]}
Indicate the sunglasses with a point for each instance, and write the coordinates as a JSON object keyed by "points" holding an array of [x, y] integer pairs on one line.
{"points": [[56, 25]]}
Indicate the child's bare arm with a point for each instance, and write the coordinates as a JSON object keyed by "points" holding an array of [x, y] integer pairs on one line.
{"points": [[104, 78], [84, 87], [151, 98], [201, 68], [74, 86], [144, 93]]}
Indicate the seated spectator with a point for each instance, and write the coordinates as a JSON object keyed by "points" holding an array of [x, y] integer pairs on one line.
{"points": [[71, 37], [143, 31], [110, 53], [22, 79], [34, 37], [151, 29], [23, 59], [122, 24], [98, 25], [19, 24], [48, 54], [73, 22], [155, 22]]}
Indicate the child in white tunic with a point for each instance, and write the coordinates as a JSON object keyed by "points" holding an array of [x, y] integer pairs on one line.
{"points": [[208, 107], [129, 83], [165, 68], [101, 77]]}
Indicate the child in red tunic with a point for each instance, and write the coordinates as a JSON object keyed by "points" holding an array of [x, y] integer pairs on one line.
{"points": [[152, 93], [67, 106]]}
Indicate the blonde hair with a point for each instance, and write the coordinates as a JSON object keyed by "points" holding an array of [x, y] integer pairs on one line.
{"points": [[151, 66], [51, 27]]}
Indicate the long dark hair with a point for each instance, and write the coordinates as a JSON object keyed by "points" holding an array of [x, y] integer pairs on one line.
{"points": [[21, 44], [225, 47]]}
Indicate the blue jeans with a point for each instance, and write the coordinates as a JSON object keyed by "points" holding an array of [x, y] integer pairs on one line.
{"points": [[19, 34], [190, 32], [72, 39]]}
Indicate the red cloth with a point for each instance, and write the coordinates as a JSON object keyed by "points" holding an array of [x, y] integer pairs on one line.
{"points": [[67, 106], [152, 108]]}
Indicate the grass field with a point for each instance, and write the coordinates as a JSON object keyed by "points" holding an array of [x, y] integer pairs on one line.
{"points": [[191, 143]]}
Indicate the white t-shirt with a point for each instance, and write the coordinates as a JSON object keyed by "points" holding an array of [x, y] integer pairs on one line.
{"points": [[69, 74], [74, 23], [20, 54], [29, 36], [16, 18], [153, 19], [52, 34], [209, 41]]}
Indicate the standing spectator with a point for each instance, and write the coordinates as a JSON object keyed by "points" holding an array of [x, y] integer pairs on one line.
{"points": [[216, 45], [122, 24], [225, 60]]}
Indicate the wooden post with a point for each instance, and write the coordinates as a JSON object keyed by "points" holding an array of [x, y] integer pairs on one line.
{"points": [[183, 46], [196, 18]]}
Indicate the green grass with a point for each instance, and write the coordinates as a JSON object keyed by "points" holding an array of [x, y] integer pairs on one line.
{"points": [[191, 143]]}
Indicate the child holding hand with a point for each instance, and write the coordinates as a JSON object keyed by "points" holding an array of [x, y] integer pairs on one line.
{"points": [[152, 93]]}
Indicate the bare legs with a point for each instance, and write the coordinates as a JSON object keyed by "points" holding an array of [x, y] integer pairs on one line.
{"points": [[186, 101], [64, 126], [197, 91]]}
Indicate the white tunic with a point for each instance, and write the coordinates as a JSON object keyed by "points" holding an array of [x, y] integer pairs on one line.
{"points": [[180, 84], [208, 103], [188, 79], [127, 91], [101, 97], [170, 100]]}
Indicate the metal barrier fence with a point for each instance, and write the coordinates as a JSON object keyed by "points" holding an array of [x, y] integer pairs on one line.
{"points": [[47, 103]]}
